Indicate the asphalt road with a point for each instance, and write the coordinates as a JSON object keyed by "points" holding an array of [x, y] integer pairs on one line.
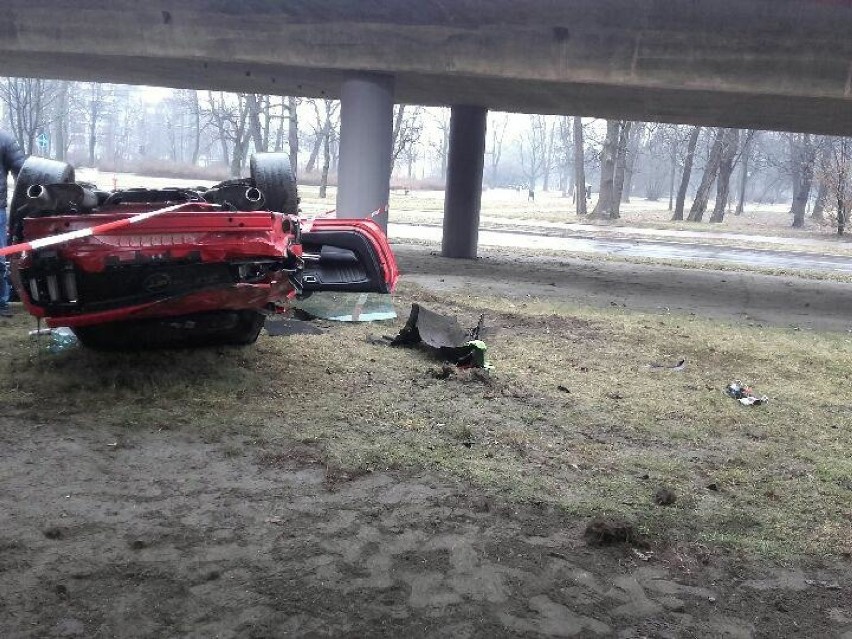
{"points": [[653, 249]]}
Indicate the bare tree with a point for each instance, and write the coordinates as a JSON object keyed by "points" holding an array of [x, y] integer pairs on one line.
{"points": [[61, 120], [730, 146], [565, 151], [609, 153], [331, 122], [94, 102], [579, 167], [631, 152], [745, 159], [547, 165], [497, 133], [28, 103], [624, 138], [688, 162], [711, 172], [293, 132], [802, 160], [441, 119], [407, 130], [821, 201], [532, 147], [227, 117], [836, 174]]}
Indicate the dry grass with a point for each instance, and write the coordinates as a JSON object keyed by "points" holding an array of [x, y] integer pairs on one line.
{"points": [[782, 470]]}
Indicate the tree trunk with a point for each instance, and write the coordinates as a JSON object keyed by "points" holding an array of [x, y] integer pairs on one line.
{"points": [[687, 173], [579, 167], [548, 157], [315, 151], [326, 160], [711, 171], [805, 156], [196, 123], [293, 133], [630, 163], [818, 214], [255, 129], [608, 156], [726, 169], [672, 176], [620, 169], [445, 146], [743, 181], [61, 126]]}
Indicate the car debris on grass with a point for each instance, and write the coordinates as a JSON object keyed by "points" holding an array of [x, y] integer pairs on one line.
{"points": [[745, 394], [445, 337]]}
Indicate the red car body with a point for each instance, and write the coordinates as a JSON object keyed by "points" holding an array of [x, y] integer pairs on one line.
{"points": [[61, 285]]}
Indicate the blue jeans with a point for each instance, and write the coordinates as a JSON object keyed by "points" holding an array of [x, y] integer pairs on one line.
{"points": [[4, 271]]}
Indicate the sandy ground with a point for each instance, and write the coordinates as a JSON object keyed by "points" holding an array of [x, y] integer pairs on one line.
{"points": [[109, 532], [728, 295], [164, 535]]}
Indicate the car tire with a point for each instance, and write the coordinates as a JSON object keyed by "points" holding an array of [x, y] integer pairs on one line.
{"points": [[35, 171], [247, 329], [274, 176]]}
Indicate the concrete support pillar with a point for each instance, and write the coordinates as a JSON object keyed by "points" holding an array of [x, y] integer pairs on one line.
{"points": [[463, 197], [366, 147]]}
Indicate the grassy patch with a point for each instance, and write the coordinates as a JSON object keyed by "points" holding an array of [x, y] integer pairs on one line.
{"points": [[773, 480]]}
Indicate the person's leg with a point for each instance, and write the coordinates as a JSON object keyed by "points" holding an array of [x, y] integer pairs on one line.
{"points": [[5, 311]]}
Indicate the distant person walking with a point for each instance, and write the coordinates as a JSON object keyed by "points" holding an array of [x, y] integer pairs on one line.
{"points": [[11, 161]]}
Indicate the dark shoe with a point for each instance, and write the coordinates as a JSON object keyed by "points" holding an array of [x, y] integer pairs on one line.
{"points": [[5, 311]]}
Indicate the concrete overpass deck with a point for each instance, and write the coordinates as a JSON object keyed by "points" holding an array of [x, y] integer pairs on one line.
{"points": [[767, 64]]}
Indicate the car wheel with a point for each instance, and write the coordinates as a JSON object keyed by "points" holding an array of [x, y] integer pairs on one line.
{"points": [[35, 171], [274, 176], [247, 330]]}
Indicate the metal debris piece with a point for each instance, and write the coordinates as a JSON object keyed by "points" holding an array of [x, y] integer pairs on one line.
{"points": [[445, 336]]}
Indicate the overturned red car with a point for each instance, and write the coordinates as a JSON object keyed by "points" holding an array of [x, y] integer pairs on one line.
{"points": [[204, 266]]}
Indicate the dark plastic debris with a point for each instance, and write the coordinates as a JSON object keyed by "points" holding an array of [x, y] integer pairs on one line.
{"points": [[445, 336]]}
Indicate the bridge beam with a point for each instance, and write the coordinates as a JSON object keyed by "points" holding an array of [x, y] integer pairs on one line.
{"points": [[366, 146], [463, 197]]}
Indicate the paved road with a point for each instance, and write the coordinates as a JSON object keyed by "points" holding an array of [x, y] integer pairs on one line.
{"points": [[657, 249]]}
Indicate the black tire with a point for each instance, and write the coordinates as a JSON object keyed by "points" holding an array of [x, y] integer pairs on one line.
{"points": [[221, 328], [274, 176], [35, 171], [247, 329]]}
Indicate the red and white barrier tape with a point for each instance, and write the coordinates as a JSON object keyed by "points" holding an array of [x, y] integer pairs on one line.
{"points": [[99, 229]]}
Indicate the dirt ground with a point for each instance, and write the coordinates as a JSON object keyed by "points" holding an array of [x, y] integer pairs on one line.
{"points": [[166, 535], [154, 528], [742, 296]]}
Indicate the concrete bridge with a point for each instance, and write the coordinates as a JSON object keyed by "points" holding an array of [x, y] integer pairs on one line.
{"points": [[771, 64]]}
